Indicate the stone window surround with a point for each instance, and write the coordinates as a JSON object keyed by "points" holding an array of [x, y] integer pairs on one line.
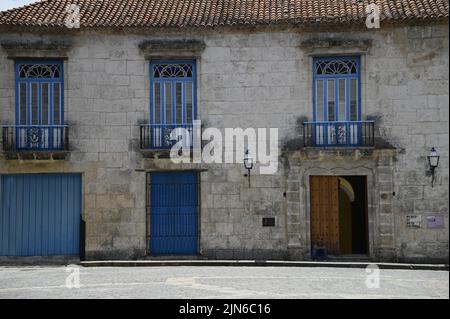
{"points": [[37, 51], [331, 47], [173, 49]]}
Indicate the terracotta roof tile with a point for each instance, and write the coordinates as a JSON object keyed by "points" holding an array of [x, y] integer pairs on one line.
{"points": [[210, 13]]}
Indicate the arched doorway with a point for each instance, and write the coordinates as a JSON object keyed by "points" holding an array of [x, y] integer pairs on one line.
{"points": [[339, 214]]}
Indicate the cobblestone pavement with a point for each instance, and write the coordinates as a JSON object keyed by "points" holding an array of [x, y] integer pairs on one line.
{"points": [[218, 282]]}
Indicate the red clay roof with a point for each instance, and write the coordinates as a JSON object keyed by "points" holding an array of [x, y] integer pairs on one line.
{"points": [[210, 13]]}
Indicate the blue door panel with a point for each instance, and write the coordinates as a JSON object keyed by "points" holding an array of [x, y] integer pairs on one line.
{"points": [[40, 214], [174, 213]]}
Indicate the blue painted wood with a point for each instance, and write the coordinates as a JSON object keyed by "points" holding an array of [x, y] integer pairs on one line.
{"points": [[39, 82], [336, 78], [172, 81], [40, 214], [174, 213]]}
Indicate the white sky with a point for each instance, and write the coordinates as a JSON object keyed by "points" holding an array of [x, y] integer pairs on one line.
{"points": [[9, 4]]}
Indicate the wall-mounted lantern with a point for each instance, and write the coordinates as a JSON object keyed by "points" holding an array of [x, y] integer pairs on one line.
{"points": [[248, 164], [433, 162]]}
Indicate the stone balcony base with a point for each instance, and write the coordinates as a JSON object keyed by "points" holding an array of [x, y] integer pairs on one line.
{"points": [[37, 155]]}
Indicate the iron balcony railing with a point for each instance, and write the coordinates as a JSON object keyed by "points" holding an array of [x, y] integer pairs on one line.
{"points": [[164, 136], [339, 134], [42, 138]]}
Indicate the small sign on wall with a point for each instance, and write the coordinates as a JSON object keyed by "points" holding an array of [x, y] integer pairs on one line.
{"points": [[413, 221], [268, 222], [435, 221]]}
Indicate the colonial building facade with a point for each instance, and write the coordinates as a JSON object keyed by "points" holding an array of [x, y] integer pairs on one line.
{"points": [[90, 91]]}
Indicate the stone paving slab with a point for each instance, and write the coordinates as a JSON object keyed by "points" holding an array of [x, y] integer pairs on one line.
{"points": [[220, 282]]}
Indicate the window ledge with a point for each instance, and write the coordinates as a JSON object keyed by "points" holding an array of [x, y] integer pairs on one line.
{"points": [[343, 153], [44, 155], [155, 153]]}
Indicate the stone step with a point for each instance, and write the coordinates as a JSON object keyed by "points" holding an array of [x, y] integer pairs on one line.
{"points": [[250, 263], [174, 257], [350, 258]]}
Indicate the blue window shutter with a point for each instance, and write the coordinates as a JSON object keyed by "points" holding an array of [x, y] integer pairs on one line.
{"points": [[173, 102], [174, 74], [336, 68], [39, 104], [337, 120]]}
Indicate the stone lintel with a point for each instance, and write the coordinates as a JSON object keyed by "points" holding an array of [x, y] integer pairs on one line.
{"points": [[36, 49], [171, 48], [320, 44]]}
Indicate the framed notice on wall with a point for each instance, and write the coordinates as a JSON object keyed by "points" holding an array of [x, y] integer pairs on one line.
{"points": [[435, 221], [413, 221]]}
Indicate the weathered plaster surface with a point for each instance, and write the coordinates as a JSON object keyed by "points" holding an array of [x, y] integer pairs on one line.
{"points": [[256, 79]]}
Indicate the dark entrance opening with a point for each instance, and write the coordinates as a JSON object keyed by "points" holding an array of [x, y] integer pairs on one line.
{"points": [[353, 215], [339, 222]]}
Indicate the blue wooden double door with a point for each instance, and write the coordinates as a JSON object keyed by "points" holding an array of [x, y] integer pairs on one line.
{"points": [[174, 213], [40, 214]]}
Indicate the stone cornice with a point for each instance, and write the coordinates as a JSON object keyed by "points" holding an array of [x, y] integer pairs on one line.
{"points": [[36, 49], [170, 45], [314, 45]]}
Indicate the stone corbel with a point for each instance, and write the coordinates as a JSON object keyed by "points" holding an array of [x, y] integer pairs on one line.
{"points": [[327, 46], [36, 49], [173, 48]]}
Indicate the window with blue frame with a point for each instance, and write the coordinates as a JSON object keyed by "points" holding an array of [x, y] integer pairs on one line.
{"points": [[336, 96], [336, 89], [39, 104], [172, 99], [173, 92], [39, 92]]}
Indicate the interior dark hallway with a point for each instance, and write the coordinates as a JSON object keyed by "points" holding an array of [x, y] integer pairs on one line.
{"points": [[353, 215]]}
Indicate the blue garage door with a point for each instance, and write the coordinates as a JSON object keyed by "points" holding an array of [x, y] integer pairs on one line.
{"points": [[40, 214], [174, 213]]}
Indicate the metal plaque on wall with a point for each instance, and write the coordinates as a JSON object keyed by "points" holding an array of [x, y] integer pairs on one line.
{"points": [[435, 221], [413, 221]]}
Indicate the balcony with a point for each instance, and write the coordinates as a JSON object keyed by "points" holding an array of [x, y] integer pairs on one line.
{"points": [[157, 137], [35, 141], [339, 134]]}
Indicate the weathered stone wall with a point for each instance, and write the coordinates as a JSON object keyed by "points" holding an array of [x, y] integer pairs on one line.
{"points": [[255, 79]]}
